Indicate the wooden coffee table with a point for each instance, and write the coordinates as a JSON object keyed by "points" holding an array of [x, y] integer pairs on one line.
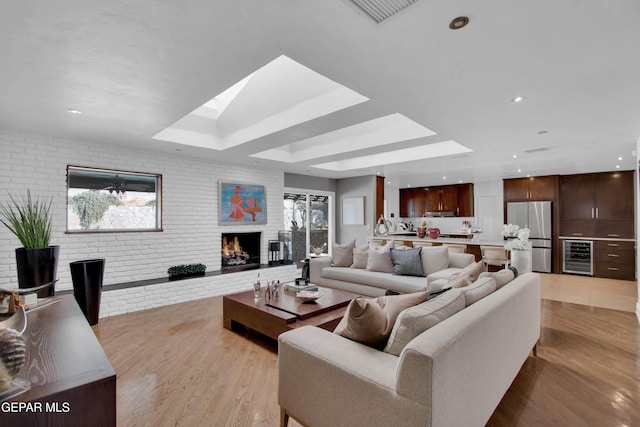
{"points": [[278, 315]]}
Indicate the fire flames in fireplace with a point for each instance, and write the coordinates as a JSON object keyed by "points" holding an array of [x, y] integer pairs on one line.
{"points": [[233, 253]]}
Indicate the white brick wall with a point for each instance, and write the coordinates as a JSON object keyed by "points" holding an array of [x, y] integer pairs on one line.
{"points": [[190, 218]]}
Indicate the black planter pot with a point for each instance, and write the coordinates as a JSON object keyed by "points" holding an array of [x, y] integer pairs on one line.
{"points": [[37, 267], [87, 286]]}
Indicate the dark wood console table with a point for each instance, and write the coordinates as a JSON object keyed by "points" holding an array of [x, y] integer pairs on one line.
{"points": [[72, 381]]}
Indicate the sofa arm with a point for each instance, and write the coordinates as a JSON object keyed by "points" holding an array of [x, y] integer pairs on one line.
{"points": [[459, 260], [327, 380], [315, 268]]}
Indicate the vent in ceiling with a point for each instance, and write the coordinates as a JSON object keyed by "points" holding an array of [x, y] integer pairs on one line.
{"points": [[379, 10], [536, 150]]}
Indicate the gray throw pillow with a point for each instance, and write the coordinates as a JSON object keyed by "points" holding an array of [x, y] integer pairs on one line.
{"points": [[407, 262]]}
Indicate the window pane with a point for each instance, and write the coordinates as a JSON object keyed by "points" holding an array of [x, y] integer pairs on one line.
{"points": [[104, 200], [295, 220], [319, 223]]}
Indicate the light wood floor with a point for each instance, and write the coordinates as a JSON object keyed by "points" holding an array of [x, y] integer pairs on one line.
{"points": [[593, 291], [177, 366]]}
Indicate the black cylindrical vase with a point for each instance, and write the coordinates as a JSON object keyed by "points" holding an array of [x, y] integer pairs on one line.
{"points": [[87, 286], [37, 267]]}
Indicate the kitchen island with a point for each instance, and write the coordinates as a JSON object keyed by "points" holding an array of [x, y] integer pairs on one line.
{"points": [[472, 246]]}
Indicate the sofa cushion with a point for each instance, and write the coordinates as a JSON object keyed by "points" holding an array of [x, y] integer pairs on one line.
{"points": [[415, 320], [342, 254], [501, 277], [478, 290], [376, 279], [360, 258], [370, 320], [434, 258], [380, 258], [407, 262]]}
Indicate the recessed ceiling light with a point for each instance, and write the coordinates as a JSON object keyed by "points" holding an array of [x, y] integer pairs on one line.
{"points": [[459, 181], [408, 185], [617, 166], [74, 111], [388, 182], [517, 99], [515, 156], [459, 22], [620, 158], [444, 177], [519, 170]]}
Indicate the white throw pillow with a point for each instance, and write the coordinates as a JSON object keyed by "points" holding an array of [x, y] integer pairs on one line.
{"points": [[415, 320], [434, 258], [342, 255], [360, 258], [380, 258]]}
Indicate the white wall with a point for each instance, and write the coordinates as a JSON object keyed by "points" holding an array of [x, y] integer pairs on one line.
{"points": [[190, 218], [364, 186]]}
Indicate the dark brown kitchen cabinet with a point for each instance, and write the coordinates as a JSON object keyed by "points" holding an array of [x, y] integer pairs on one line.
{"points": [[598, 205], [530, 188], [614, 260], [442, 198], [456, 199], [465, 199], [412, 202]]}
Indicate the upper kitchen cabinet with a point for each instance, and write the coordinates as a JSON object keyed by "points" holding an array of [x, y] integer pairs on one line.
{"points": [[598, 205], [465, 199], [442, 200], [531, 188], [412, 202]]}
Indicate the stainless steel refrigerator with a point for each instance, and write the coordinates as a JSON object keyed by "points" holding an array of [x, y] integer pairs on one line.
{"points": [[536, 216]]}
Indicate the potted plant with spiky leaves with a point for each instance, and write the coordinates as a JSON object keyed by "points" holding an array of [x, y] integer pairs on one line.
{"points": [[29, 219]]}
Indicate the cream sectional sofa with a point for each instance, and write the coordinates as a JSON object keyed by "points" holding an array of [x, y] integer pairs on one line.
{"points": [[437, 263], [452, 374]]}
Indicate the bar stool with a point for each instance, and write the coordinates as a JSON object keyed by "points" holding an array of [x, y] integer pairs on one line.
{"points": [[494, 256], [453, 247]]}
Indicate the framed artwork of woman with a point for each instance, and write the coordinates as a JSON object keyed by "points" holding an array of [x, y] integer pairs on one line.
{"points": [[242, 204]]}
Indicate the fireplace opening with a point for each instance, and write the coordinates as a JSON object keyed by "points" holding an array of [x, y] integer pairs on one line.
{"points": [[240, 251]]}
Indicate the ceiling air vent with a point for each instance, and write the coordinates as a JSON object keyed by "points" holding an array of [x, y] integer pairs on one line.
{"points": [[379, 10], [536, 150]]}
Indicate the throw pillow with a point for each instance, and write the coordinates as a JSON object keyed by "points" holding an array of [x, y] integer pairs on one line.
{"points": [[369, 320], [434, 258], [380, 258], [342, 254], [474, 270], [415, 320], [478, 290], [501, 277], [459, 280], [360, 258], [407, 262]]}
